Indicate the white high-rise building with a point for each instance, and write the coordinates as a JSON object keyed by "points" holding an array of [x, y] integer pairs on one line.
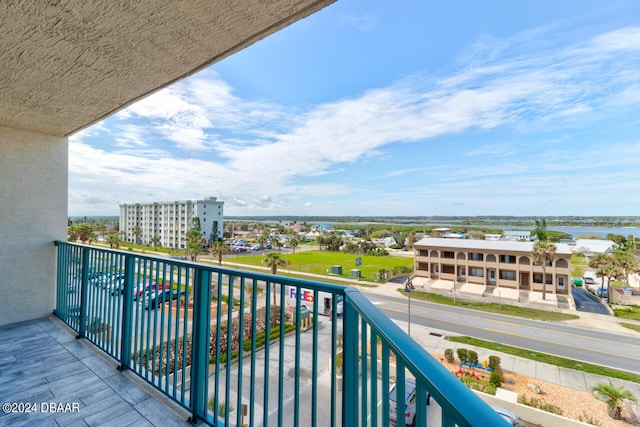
{"points": [[170, 221]]}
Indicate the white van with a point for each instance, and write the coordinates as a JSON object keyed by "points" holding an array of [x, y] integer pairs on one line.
{"points": [[307, 297]]}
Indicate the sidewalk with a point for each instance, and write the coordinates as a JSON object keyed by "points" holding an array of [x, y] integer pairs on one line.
{"points": [[429, 339], [433, 340]]}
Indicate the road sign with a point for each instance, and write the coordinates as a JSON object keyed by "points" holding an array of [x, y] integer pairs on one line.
{"points": [[358, 262]]}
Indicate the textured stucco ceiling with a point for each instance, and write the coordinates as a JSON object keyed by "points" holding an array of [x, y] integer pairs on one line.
{"points": [[67, 64]]}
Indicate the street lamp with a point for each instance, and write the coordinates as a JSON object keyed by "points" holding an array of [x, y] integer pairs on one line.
{"points": [[407, 288], [454, 291]]}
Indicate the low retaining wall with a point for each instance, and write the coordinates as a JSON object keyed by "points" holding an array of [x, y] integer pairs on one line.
{"points": [[531, 415]]}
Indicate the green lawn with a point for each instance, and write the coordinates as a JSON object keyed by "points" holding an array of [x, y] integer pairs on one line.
{"points": [[629, 312], [631, 326], [320, 262]]}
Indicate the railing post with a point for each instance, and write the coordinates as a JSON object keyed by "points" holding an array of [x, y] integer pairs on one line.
{"points": [[59, 294], [83, 294], [350, 365], [200, 343], [127, 313]]}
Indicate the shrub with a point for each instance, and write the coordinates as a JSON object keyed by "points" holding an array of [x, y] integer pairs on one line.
{"points": [[495, 379], [494, 363], [474, 382], [448, 355], [472, 357], [462, 354], [402, 270], [613, 396], [222, 406], [540, 404]]}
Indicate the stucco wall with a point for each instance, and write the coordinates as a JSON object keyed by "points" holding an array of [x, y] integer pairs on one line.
{"points": [[33, 213]]}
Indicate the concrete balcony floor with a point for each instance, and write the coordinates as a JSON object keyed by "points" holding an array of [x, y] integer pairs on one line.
{"points": [[42, 363]]}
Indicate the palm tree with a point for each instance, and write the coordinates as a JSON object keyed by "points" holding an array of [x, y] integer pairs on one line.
{"points": [[262, 239], [194, 239], [611, 271], [155, 241], [250, 289], [101, 229], [137, 233], [626, 261], [367, 246], [273, 261], [294, 242], [114, 240], [613, 396], [218, 249], [543, 253], [606, 267]]}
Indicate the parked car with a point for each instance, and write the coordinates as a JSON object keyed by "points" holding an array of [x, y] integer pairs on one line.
{"points": [[589, 281], [409, 402], [410, 406], [602, 291], [155, 298], [146, 289], [507, 415], [117, 287], [107, 280], [339, 308], [95, 275]]}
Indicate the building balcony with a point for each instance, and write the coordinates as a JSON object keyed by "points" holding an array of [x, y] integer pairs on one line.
{"points": [[60, 380], [218, 346]]}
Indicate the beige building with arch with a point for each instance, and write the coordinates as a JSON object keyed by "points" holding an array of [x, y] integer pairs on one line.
{"points": [[499, 264]]}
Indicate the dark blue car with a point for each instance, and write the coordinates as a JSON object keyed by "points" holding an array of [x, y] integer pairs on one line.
{"points": [[155, 298]]}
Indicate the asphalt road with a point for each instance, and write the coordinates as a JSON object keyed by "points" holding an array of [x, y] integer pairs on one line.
{"points": [[581, 344]]}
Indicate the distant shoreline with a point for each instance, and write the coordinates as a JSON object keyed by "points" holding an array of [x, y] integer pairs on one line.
{"points": [[477, 221]]}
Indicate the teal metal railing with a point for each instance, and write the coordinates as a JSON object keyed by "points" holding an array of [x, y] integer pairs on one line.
{"points": [[239, 348]]}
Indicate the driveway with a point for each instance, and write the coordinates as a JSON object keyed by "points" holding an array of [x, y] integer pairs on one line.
{"points": [[587, 302]]}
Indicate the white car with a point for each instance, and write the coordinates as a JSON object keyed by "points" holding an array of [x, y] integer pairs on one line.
{"points": [[409, 403], [410, 406], [507, 415]]}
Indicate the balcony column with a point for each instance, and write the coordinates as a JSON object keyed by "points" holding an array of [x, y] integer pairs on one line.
{"points": [[33, 214]]}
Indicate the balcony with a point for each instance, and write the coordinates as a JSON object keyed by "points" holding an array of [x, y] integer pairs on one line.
{"points": [[330, 357], [44, 365]]}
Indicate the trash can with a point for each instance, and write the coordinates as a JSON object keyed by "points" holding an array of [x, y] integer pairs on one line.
{"points": [[355, 273], [336, 269]]}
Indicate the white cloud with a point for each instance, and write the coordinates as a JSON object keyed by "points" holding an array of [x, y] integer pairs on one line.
{"points": [[253, 154]]}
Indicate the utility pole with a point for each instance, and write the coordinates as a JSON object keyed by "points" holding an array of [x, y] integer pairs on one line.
{"points": [[407, 288]]}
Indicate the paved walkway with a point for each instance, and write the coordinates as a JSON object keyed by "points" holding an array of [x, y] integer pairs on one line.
{"points": [[41, 362]]}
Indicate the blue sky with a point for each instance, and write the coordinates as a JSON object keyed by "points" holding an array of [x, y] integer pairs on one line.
{"points": [[392, 108]]}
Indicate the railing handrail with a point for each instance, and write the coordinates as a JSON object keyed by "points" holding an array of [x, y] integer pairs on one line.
{"points": [[418, 361], [263, 276], [460, 405]]}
